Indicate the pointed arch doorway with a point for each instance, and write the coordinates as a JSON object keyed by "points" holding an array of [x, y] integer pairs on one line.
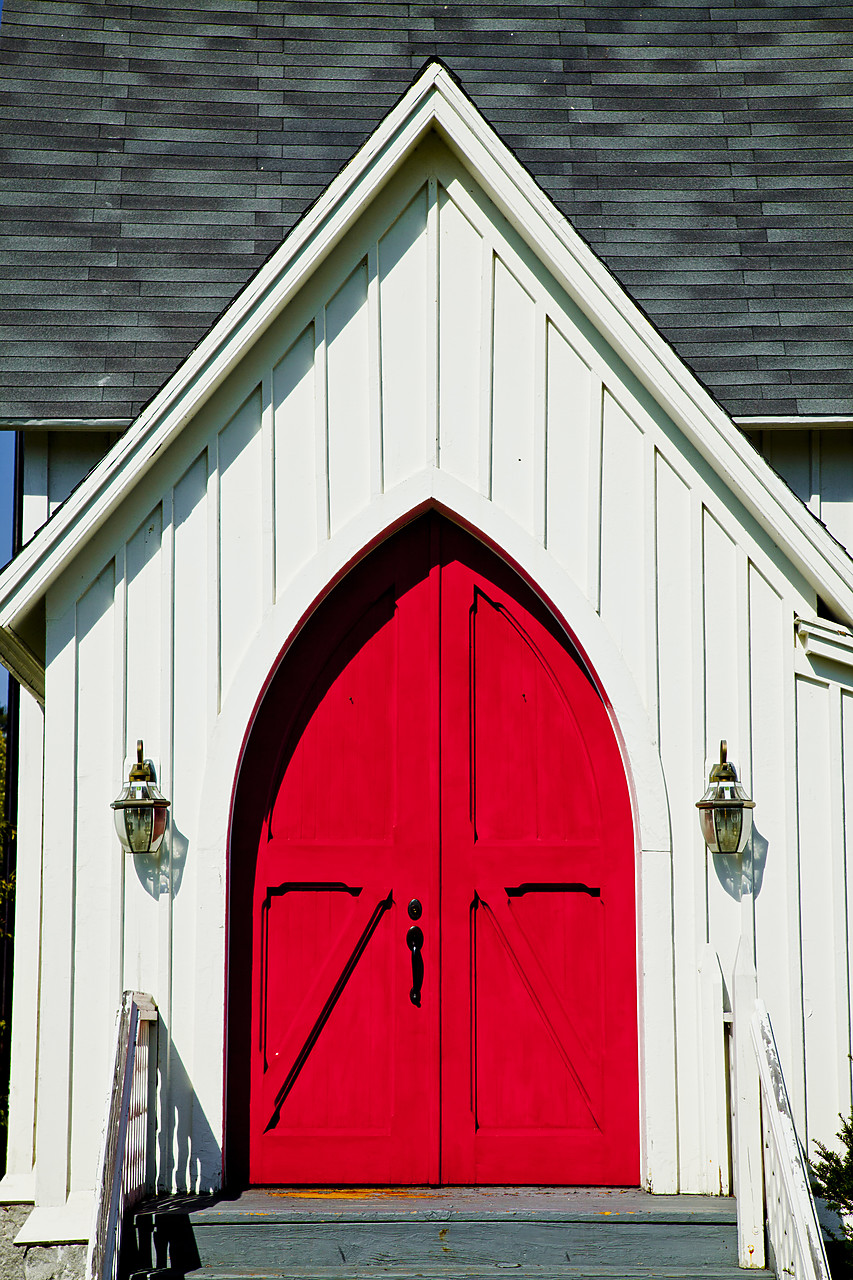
{"points": [[433, 918]]}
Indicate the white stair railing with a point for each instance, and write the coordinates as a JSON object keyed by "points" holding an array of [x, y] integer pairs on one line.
{"points": [[123, 1167], [792, 1225]]}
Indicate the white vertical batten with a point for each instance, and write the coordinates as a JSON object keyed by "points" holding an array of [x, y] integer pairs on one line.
{"points": [[657, 1023], [815, 881], [321, 422], [241, 559], [461, 263], [722, 604], [348, 398], [838, 908], [676, 700], [847, 780], [625, 604], [214, 602], [656, 943], [715, 1137], [119, 756], [774, 855], [267, 464], [18, 1183], [540, 423], [650, 530], [431, 353], [94, 843], [165, 749], [374, 374], [567, 455], [513, 480], [795, 1065], [596, 466], [145, 692], [296, 480], [53, 1117], [487, 338], [193, 717], [742, 676]]}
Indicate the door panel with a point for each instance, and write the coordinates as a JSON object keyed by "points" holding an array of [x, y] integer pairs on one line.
{"points": [[344, 1074], [448, 746], [539, 1047]]}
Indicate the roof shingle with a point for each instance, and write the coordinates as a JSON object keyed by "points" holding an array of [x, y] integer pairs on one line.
{"points": [[150, 163]]}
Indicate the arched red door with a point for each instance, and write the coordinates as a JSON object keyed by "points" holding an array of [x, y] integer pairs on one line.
{"points": [[443, 938]]}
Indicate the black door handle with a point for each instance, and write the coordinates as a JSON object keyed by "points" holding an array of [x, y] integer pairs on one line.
{"points": [[415, 942]]}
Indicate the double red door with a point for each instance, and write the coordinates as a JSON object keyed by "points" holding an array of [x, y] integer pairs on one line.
{"points": [[444, 944]]}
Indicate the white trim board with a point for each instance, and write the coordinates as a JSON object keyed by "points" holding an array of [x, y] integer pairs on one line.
{"points": [[434, 102], [827, 640]]}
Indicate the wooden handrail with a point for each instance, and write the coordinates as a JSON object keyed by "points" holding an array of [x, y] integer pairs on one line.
{"points": [[792, 1224], [122, 1172]]}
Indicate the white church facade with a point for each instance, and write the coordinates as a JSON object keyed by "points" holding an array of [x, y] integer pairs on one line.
{"points": [[432, 341]]}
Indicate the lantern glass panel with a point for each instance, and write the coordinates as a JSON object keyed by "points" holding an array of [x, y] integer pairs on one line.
{"points": [[728, 827], [706, 825], [139, 823]]}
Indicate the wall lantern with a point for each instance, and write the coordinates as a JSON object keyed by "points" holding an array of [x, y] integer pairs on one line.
{"points": [[140, 810], [725, 810]]}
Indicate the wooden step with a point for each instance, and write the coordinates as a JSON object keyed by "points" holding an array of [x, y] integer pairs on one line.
{"points": [[440, 1234]]}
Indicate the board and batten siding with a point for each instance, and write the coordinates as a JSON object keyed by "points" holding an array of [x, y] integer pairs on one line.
{"points": [[431, 357]]}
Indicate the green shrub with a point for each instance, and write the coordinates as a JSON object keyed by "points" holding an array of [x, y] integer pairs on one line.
{"points": [[832, 1177]]}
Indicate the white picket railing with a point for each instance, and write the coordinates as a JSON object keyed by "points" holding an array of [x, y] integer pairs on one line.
{"points": [[774, 1196], [792, 1225], [123, 1170]]}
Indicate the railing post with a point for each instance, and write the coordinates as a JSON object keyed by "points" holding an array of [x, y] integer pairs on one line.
{"points": [[716, 1144], [122, 1165], [746, 1097]]}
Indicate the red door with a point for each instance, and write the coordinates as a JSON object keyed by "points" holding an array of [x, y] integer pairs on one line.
{"points": [[443, 979]]}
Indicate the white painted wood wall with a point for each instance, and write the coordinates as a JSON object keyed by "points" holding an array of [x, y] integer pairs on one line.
{"points": [[431, 357], [816, 463]]}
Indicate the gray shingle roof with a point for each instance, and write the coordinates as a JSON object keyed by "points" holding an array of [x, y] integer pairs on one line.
{"points": [[151, 158]]}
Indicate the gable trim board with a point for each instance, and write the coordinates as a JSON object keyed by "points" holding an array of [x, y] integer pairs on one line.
{"points": [[436, 102]]}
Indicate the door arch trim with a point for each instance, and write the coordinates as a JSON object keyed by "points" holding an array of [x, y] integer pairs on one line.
{"points": [[631, 723]]}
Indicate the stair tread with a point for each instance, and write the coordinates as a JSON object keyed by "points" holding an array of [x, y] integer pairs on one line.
{"points": [[446, 1204], [457, 1273], [437, 1234]]}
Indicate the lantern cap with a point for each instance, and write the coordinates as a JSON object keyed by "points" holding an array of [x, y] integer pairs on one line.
{"points": [[140, 772], [724, 773], [140, 790]]}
